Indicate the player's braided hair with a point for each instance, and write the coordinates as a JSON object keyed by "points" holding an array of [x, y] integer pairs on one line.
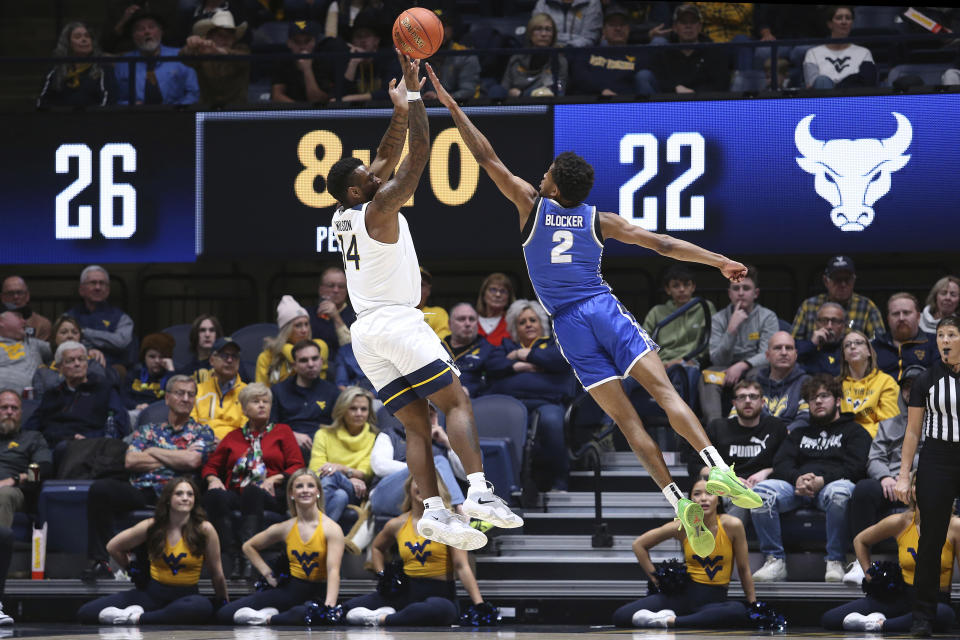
{"points": [[338, 180], [573, 176]]}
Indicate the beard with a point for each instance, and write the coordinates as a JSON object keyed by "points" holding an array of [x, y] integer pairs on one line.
{"points": [[8, 426], [148, 47], [821, 421]]}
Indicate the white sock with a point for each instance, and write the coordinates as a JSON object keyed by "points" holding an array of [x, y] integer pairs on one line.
{"points": [[478, 481], [672, 493], [713, 459], [435, 502]]}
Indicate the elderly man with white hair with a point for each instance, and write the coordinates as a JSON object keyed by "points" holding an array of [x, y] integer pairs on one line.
{"points": [[105, 327], [530, 367], [78, 407]]}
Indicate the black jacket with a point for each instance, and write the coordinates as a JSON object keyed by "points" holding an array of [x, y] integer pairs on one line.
{"points": [[837, 450]]}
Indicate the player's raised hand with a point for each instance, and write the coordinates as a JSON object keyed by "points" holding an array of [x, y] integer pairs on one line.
{"points": [[398, 94], [445, 98], [733, 271], [411, 72]]}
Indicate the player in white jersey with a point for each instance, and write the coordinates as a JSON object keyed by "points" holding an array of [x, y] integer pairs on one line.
{"points": [[397, 350]]}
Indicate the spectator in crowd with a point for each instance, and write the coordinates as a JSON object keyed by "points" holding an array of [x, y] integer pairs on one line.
{"points": [[205, 9], [388, 460], [436, 317], [861, 313], [341, 451], [80, 406], [730, 22], [221, 83], [116, 31], [304, 79], [204, 331], [348, 371], [155, 82], [816, 465], [533, 74], [739, 335], [577, 22], [105, 327], [905, 344], [469, 350], [20, 355], [146, 383], [682, 335], [342, 15], [686, 70], [941, 302], [821, 352], [781, 381], [15, 296], [530, 367], [48, 375], [750, 440], [248, 472], [171, 596], [303, 401], [607, 73], [218, 397], [496, 294], [333, 316], [77, 84], [18, 450], [868, 393], [157, 453], [273, 363], [460, 75], [874, 497], [839, 65], [368, 77]]}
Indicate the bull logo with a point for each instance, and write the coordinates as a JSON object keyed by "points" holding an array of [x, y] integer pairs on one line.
{"points": [[852, 174]]}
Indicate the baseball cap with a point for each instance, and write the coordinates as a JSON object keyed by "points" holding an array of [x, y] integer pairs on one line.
{"points": [[616, 10], [224, 342], [304, 27], [687, 8], [840, 263]]}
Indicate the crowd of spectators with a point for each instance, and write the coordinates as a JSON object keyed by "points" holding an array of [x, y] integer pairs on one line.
{"points": [[589, 48]]}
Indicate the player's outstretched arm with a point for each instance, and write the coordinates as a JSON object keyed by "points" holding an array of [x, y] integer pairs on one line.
{"points": [[391, 196], [391, 146], [520, 192], [616, 227]]}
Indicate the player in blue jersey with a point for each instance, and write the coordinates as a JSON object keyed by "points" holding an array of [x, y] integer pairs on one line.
{"points": [[562, 245]]}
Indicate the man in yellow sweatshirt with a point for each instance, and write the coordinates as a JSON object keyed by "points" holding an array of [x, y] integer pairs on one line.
{"points": [[218, 397]]}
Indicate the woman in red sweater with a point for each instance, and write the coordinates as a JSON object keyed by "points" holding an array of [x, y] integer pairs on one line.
{"points": [[496, 294], [248, 471]]}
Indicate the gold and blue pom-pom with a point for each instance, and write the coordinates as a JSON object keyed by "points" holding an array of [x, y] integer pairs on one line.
{"points": [[672, 578], [262, 585], [885, 580], [392, 582], [765, 618], [480, 615], [319, 614]]}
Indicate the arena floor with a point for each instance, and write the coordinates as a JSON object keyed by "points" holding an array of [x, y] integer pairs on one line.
{"points": [[60, 632]]}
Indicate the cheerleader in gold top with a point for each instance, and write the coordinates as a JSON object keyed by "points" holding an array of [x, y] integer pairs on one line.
{"points": [[703, 603], [179, 542], [314, 548], [429, 597]]}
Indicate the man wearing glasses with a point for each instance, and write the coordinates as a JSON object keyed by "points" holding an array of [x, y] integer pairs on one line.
{"points": [[839, 278], [15, 296], [821, 352], [105, 327], [748, 441], [333, 316], [218, 397], [816, 465], [158, 452]]}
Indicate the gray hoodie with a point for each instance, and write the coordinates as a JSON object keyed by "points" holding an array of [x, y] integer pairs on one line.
{"points": [[748, 343], [887, 446], [578, 23], [19, 359]]}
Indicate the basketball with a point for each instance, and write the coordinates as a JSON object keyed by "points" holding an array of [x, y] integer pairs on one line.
{"points": [[418, 32]]}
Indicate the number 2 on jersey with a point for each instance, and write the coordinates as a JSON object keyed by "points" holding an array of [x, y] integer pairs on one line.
{"points": [[564, 240], [351, 253]]}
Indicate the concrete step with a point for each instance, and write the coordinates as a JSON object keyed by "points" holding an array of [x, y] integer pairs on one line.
{"points": [[632, 502], [555, 545], [581, 521]]}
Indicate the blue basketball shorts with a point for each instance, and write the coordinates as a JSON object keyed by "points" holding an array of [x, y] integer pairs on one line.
{"points": [[600, 339]]}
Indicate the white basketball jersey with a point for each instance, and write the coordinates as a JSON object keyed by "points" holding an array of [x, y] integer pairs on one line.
{"points": [[378, 274]]}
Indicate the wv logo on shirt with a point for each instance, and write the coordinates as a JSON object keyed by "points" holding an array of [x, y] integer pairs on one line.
{"points": [[418, 551], [306, 561], [839, 63], [711, 564], [173, 561]]}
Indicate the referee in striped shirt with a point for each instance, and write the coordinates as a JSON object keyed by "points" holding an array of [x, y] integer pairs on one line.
{"points": [[934, 407]]}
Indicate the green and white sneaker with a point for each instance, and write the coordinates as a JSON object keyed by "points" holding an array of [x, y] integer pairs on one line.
{"points": [[726, 483], [691, 519]]}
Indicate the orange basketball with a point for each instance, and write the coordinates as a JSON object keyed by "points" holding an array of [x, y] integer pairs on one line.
{"points": [[418, 32]]}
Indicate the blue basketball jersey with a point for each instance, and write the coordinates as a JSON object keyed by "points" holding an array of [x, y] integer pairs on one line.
{"points": [[563, 249]]}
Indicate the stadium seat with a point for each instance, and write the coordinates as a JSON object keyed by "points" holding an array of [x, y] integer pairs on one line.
{"points": [[181, 350], [930, 73], [63, 506], [154, 413], [505, 418], [250, 338], [28, 406]]}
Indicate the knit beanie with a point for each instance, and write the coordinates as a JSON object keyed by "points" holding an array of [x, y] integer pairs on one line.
{"points": [[288, 310]]}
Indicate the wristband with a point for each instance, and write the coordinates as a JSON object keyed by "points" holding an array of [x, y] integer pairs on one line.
{"points": [[413, 96]]}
